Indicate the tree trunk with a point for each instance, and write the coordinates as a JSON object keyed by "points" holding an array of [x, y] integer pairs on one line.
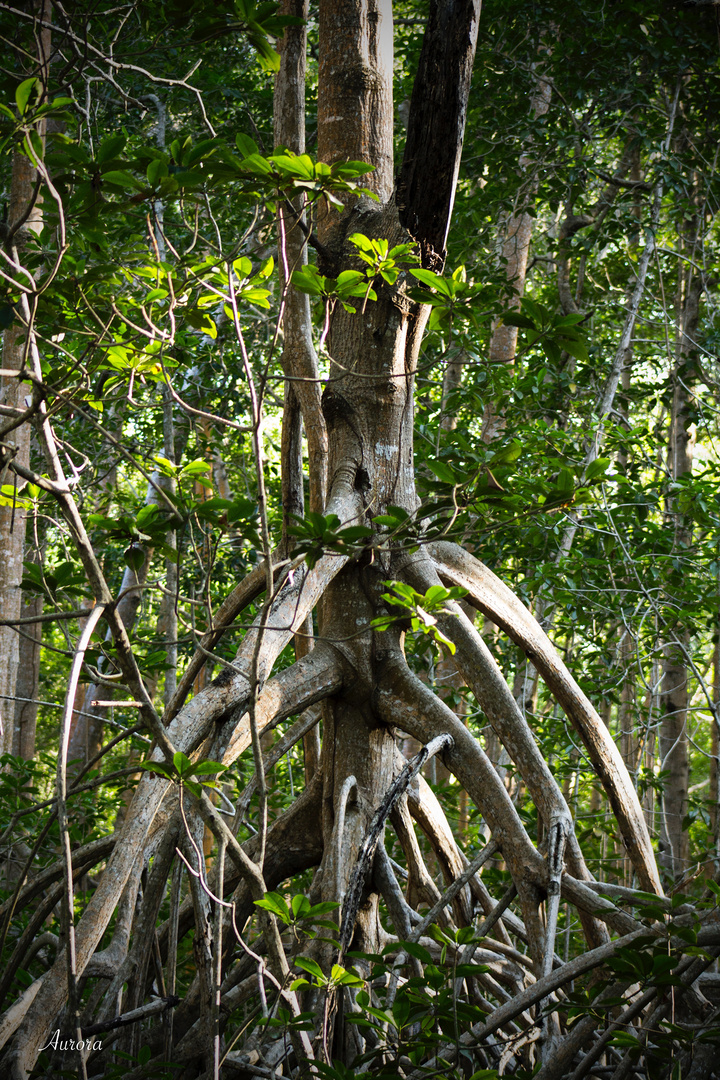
{"points": [[27, 682], [673, 746], [24, 222], [516, 235], [369, 430]]}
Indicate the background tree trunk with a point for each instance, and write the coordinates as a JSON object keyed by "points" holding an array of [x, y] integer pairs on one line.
{"points": [[516, 234], [673, 742], [24, 222]]}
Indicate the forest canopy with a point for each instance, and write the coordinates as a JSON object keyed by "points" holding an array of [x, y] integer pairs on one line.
{"points": [[360, 517]]}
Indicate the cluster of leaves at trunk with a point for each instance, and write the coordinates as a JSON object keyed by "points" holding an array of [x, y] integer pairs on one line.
{"points": [[315, 534], [381, 261], [182, 771], [451, 298], [349, 283], [300, 915], [419, 608]]}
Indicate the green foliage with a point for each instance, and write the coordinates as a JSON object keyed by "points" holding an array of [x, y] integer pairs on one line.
{"points": [[315, 534], [183, 771], [421, 608]]}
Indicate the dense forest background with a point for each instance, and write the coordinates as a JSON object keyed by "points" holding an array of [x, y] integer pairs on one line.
{"points": [[566, 426]]}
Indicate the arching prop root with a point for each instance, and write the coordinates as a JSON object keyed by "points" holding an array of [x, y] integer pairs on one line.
{"points": [[494, 599]]}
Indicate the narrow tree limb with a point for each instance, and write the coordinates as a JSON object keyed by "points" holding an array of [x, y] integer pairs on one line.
{"points": [[582, 897], [420, 885], [309, 718], [402, 699], [299, 358], [426, 810], [491, 919], [68, 904], [153, 1008], [451, 892], [349, 785], [620, 1023], [557, 838], [253, 876], [556, 841], [398, 908]]}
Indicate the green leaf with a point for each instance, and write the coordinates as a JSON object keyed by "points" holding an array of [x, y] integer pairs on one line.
{"points": [[275, 903], [23, 94], [312, 967], [158, 767], [340, 976], [156, 171], [121, 178], [300, 906], [413, 948], [246, 145], [566, 481], [513, 318], [507, 454], [577, 349], [204, 768], [624, 1038], [135, 556], [596, 468], [308, 280], [182, 764], [110, 148], [443, 472], [434, 281]]}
